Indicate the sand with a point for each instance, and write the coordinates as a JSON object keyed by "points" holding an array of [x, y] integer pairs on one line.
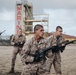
{"points": [[68, 61]]}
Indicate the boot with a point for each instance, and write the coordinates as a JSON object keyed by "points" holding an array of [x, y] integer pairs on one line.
{"points": [[58, 74], [12, 70]]}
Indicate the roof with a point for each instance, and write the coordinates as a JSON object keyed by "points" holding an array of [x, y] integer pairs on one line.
{"points": [[65, 36]]}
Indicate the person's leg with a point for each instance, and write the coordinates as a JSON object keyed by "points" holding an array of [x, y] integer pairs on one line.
{"points": [[29, 70], [25, 71], [48, 64], [15, 52], [57, 65], [42, 72]]}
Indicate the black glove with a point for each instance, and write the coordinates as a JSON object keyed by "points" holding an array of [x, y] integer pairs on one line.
{"points": [[23, 42], [55, 49], [37, 59], [19, 43], [62, 48], [15, 44]]}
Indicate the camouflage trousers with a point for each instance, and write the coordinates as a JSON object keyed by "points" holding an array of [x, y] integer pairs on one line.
{"points": [[54, 60], [33, 69], [15, 52]]}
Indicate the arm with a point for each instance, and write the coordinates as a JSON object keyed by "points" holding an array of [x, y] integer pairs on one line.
{"points": [[25, 53], [13, 40], [62, 48], [49, 44], [24, 39]]}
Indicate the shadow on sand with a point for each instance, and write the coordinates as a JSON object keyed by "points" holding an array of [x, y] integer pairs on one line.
{"points": [[16, 73]]}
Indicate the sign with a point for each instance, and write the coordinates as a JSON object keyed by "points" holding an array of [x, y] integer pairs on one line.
{"points": [[19, 18]]}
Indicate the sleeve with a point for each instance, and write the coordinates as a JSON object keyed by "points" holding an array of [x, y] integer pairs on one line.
{"points": [[25, 53], [24, 38], [48, 44], [63, 47]]}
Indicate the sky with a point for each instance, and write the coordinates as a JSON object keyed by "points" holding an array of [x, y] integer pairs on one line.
{"points": [[61, 12]]}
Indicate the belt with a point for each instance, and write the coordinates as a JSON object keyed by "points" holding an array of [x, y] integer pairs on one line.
{"points": [[30, 63]]}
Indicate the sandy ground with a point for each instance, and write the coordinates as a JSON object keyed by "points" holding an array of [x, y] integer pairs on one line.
{"points": [[68, 61]]}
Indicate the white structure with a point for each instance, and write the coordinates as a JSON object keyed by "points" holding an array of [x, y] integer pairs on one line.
{"points": [[25, 18]]}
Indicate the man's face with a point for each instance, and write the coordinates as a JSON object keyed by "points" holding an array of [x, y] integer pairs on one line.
{"points": [[20, 32], [40, 32], [59, 32]]}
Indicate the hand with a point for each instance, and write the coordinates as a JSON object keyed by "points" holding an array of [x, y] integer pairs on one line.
{"points": [[63, 44], [36, 59], [54, 49], [15, 44], [22, 43], [62, 48], [18, 43]]}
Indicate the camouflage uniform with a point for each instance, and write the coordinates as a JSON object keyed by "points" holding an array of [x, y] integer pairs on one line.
{"points": [[55, 58], [34, 68], [17, 49]]}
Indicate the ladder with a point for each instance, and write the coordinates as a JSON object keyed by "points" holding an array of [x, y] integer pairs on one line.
{"points": [[27, 8]]}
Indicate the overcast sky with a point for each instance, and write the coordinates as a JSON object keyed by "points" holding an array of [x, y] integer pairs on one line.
{"points": [[61, 12]]}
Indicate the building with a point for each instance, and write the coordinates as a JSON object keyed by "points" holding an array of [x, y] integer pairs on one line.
{"points": [[66, 36]]}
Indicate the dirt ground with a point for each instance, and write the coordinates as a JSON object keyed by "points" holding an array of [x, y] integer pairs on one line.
{"points": [[68, 61]]}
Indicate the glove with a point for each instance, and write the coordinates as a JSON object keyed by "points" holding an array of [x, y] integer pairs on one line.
{"points": [[15, 44], [54, 49], [37, 59], [21, 44], [18, 43], [62, 48]]}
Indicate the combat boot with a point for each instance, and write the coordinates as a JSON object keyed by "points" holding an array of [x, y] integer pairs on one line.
{"points": [[11, 71], [58, 74]]}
